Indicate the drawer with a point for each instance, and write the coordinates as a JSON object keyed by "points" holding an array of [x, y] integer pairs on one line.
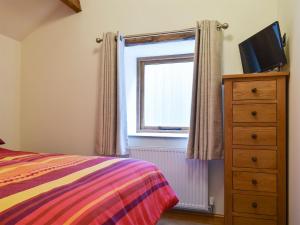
{"points": [[253, 204], [252, 221], [254, 113], [259, 159], [254, 136], [247, 90], [249, 181]]}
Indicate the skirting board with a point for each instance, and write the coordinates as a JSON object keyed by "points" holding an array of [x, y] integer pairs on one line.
{"points": [[197, 217]]}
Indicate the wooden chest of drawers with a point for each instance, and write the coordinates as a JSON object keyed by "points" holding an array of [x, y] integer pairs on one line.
{"points": [[255, 148]]}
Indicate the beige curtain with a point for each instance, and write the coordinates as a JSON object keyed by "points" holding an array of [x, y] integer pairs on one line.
{"points": [[111, 131], [205, 137]]}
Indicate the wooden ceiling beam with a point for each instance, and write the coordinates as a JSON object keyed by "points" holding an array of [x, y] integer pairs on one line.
{"points": [[73, 4], [159, 38]]}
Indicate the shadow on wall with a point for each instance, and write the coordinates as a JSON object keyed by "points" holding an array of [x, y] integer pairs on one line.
{"points": [[60, 11], [20, 18]]}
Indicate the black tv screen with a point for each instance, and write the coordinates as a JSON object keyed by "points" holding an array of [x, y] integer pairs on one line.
{"points": [[263, 51]]}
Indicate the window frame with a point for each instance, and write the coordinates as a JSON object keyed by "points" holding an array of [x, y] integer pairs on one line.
{"points": [[141, 63]]}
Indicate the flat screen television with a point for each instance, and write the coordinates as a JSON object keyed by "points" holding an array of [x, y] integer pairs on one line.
{"points": [[263, 51]]}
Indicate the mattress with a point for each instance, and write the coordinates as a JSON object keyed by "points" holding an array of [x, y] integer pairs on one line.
{"points": [[45, 189]]}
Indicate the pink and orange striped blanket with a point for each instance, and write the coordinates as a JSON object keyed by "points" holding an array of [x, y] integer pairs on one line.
{"points": [[57, 189]]}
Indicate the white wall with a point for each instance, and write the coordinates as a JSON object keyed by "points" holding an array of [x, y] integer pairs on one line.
{"points": [[10, 64], [290, 18], [60, 64]]}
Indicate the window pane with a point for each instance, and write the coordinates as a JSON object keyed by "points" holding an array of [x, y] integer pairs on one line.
{"points": [[167, 94]]}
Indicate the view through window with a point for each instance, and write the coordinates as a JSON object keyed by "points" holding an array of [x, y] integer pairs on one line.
{"points": [[164, 93]]}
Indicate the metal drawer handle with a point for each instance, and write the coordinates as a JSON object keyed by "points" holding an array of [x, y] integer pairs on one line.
{"points": [[254, 182], [254, 205], [254, 90], [253, 113], [254, 159], [254, 136]]}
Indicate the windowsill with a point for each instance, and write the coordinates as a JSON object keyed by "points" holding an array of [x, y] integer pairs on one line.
{"points": [[160, 135]]}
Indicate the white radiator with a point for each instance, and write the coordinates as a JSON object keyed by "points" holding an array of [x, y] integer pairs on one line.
{"points": [[188, 178]]}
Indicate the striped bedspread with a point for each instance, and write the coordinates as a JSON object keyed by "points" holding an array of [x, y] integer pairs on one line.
{"points": [[59, 189]]}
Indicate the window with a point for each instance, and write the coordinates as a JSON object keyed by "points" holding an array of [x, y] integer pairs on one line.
{"points": [[132, 55], [164, 89]]}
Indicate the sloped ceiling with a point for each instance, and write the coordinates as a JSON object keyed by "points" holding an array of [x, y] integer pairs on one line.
{"points": [[18, 18]]}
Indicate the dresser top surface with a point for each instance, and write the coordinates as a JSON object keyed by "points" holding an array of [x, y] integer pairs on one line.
{"points": [[255, 75]]}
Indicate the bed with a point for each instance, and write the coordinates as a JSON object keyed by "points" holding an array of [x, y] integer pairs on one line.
{"points": [[45, 189]]}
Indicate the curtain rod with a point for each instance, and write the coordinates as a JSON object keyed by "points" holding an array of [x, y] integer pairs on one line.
{"points": [[223, 26]]}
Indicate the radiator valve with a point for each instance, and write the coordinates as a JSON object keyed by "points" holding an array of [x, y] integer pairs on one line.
{"points": [[211, 204]]}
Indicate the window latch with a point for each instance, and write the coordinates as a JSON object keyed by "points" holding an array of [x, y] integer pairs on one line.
{"points": [[169, 128]]}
